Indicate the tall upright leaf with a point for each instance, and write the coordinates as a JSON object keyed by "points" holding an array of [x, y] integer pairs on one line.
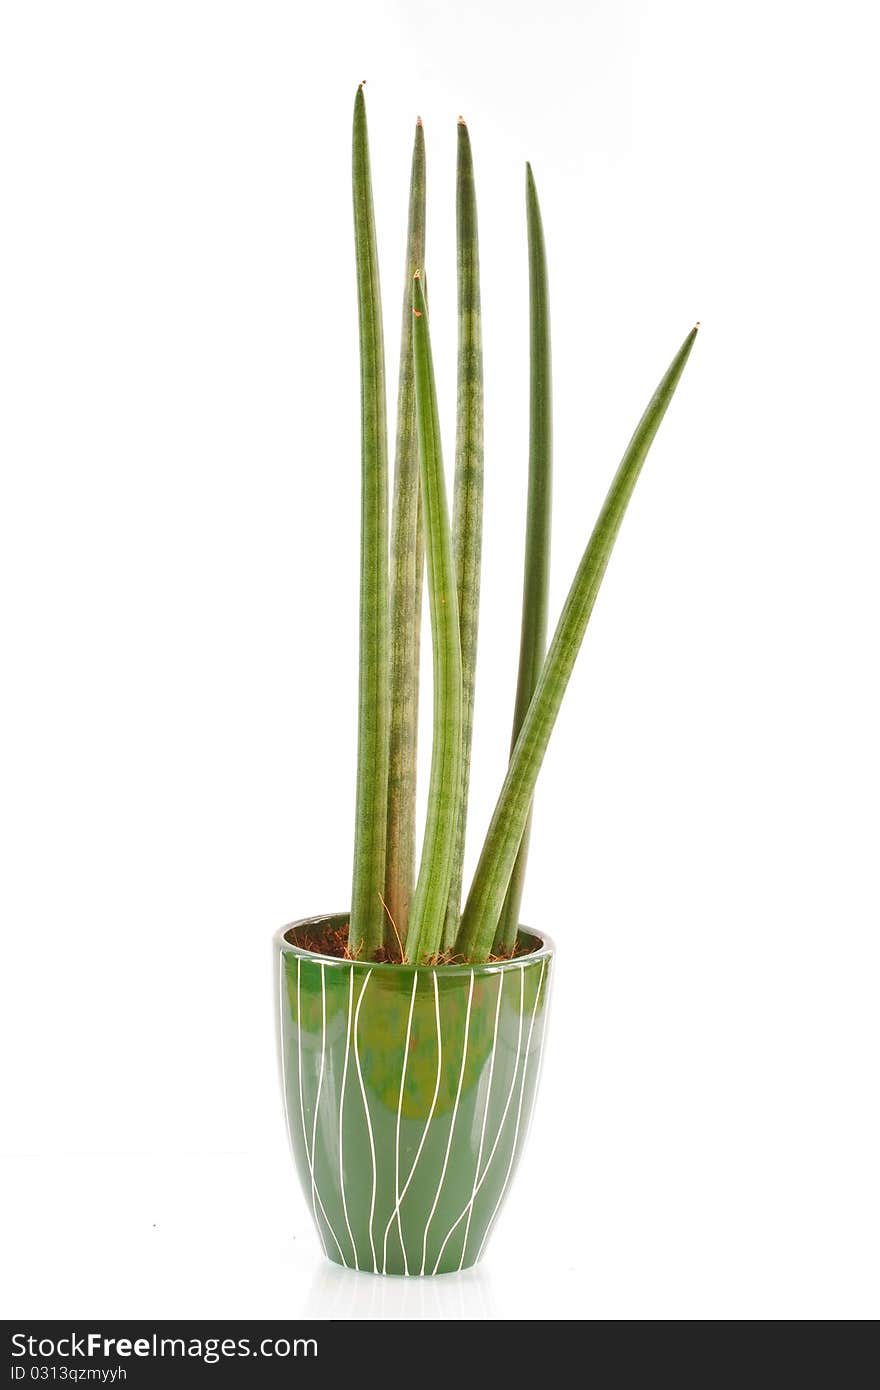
{"points": [[467, 525], [428, 910], [367, 926], [536, 573], [407, 565], [486, 898]]}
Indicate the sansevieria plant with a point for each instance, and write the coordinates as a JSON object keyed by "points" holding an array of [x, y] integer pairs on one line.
{"points": [[412, 1026]]}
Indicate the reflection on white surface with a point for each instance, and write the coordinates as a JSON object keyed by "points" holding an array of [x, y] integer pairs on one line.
{"points": [[338, 1293]]}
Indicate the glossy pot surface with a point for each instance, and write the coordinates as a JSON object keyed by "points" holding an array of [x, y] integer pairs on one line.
{"points": [[408, 1092]]}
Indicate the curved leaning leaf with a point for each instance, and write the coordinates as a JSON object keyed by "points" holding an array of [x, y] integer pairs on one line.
{"points": [[467, 522], [428, 910], [407, 566], [536, 572], [367, 927], [483, 908]]}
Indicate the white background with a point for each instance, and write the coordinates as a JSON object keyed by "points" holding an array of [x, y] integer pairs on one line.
{"points": [[178, 566]]}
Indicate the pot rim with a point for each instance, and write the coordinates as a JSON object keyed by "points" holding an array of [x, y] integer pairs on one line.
{"points": [[544, 951]]}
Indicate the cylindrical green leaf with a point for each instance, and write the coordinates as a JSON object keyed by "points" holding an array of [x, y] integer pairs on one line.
{"points": [[467, 524], [367, 927], [407, 566], [428, 909], [536, 573], [486, 898]]}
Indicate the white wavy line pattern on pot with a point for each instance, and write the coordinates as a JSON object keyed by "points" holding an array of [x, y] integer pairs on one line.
{"points": [[396, 1212], [545, 1010], [415, 1161], [522, 1088], [341, 1109], [357, 1060], [464, 1053], [483, 1129]]}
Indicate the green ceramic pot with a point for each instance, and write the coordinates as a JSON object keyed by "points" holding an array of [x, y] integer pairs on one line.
{"points": [[408, 1092]]}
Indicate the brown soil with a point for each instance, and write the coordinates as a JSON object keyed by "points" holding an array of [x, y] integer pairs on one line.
{"points": [[333, 941]]}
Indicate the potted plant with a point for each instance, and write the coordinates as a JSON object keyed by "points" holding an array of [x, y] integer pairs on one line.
{"points": [[411, 1029]]}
